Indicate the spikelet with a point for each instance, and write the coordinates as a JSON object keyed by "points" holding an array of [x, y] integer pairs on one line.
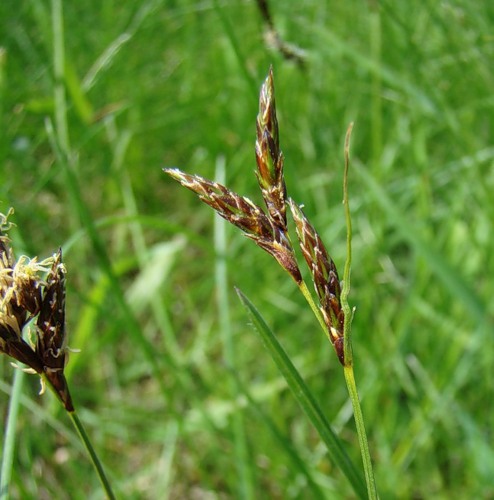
{"points": [[269, 230], [25, 295], [269, 156], [244, 214], [324, 276], [51, 344]]}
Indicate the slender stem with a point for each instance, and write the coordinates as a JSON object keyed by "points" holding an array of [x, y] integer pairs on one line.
{"points": [[348, 356], [245, 483], [362, 436], [94, 458], [375, 44], [10, 435], [317, 313], [59, 74]]}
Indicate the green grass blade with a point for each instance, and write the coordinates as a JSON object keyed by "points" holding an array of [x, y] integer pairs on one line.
{"points": [[236, 46], [92, 453], [348, 356], [305, 399], [241, 449], [10, 435]]}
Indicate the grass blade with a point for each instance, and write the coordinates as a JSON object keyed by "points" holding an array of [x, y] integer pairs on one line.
{"points": [[10, 435], [305, 399], [241, 449]]}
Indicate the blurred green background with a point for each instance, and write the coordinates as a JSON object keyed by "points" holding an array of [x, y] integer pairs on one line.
{"points": [[173, 385]]}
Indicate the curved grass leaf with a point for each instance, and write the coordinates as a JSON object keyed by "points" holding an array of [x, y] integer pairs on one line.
{"points": [[305, 399]]}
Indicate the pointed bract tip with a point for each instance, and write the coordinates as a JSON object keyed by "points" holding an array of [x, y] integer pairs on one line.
{"points": [[175, 173], [270, 72]]}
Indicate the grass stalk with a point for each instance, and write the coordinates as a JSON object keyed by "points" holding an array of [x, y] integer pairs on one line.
{"points": [[10, 435], [59, 75], [376, 101], [348, 367], [310, 300], [362, 435], [241, 452], [92, 453], [231, 35]]}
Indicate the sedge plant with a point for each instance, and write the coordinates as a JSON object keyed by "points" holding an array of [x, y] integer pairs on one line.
{"points": [[32, 331], [268, 228]]}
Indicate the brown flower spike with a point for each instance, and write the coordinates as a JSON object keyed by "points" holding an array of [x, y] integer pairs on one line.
{"points": [[325, 277], [51, 342], [244, 214], [269, 156], [269, 230], [24, 295]]}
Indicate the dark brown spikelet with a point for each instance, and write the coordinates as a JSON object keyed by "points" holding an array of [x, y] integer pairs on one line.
{"points": [[24, 295], [324, 275], [51, 344], [244, 214], [269, 156]]}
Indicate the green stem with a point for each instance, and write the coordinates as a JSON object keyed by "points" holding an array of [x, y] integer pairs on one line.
{"points": [[345, 290], [94, 458], [7, 459], [362, 436], [375, 44], [317, 313], [59, 74], [348, 356], [241, 448]]}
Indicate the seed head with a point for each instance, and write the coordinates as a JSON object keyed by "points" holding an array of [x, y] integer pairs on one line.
{"points": [[51, 344], [244, 214], [324, 275], [24, 294], [269, 156]]}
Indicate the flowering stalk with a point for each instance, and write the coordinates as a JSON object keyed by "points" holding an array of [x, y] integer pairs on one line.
{"points": [[347, 348], [269, 231], [269, 156], [26, 295], [246, 215]]}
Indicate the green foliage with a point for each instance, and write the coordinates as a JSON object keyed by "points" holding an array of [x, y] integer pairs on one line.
{"points": [[172, 384]]}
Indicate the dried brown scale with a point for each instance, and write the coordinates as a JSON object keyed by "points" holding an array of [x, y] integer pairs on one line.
{"points": [[22, 352], [244, 214], [274, 40]]}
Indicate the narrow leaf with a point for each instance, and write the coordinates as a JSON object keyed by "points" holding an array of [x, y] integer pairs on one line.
{"points": [[305, 399]]}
